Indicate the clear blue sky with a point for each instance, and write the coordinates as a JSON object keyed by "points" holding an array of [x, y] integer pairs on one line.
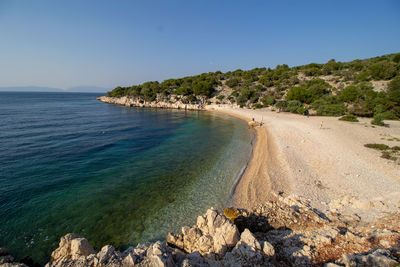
{"points": [[109, 43]]}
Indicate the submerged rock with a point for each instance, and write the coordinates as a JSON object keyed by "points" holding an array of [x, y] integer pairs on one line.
{"points": [[6, 260]]}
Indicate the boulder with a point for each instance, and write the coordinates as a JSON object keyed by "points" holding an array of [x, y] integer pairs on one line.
{"points": [[247, 250], [80, 247], [108, 255], [158, 255], [71, 246], [212, 236]]}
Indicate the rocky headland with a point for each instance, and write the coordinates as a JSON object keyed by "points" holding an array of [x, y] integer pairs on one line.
{"points": [[160, 102]]}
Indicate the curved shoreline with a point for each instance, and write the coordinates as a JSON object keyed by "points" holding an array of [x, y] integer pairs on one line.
{"points": [[242, 172], [322, 159], [254, 185]]}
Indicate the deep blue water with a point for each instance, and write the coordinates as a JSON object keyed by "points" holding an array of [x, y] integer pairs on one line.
{"points": [[116, 175]]}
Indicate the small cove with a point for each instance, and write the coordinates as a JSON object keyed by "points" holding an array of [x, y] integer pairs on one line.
{"points": [[113, 174]]}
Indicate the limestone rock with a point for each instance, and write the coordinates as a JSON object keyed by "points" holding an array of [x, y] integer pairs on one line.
{"points": [[248, 248], [80, 247], [108, 255], [268, 249], [71, 246], [158, 256], [159, 102], [212, 236]]}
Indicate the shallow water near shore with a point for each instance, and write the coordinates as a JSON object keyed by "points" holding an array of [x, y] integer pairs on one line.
{"points": [[113, 174]]}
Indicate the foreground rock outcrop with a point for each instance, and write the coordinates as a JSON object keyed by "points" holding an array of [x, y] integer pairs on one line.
{"points": [[284, 232]]}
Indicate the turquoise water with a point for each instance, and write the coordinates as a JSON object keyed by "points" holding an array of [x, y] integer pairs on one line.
{"points": [[116, 175]]}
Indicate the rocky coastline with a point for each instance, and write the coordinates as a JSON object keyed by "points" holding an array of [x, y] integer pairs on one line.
{"points": [[286, 231], [158, 103]]}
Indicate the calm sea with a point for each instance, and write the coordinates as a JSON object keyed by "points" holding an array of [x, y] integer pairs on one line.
{"points": [[115, 175]]}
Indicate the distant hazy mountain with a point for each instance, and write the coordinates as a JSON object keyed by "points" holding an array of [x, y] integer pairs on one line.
{"points": [[83, 89], [31, 89]]}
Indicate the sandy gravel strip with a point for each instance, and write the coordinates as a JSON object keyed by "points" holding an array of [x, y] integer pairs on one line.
{"points": [[327, 163]]}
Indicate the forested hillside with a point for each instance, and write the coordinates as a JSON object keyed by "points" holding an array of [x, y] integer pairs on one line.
{"points": [[366, 87]]}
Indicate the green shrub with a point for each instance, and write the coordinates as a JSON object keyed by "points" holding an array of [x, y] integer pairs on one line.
{"points": [[387, 155], [317, 103], [254, 98], [396, 58], [396, 148], [377, 146], [232, 82], [258, 105], [365, 86], [382, 70], [268, 101], [312, 69], [363, 76], [378, 120], [356, 65], [388, 115], [247, 93], [266, 80], [394, 90], [220, 97], [301, 110], [317, 87], [203, 88], [293, 106], [235, 93], [282, 105], [331, 66], [192, 99], [241, 101], [349, 117], [301, 94], [260, 88], [330, 110], [350, 93], [184, 91]]}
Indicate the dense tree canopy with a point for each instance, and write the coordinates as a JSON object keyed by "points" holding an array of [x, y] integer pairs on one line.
{"points": [[331, 89]]}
